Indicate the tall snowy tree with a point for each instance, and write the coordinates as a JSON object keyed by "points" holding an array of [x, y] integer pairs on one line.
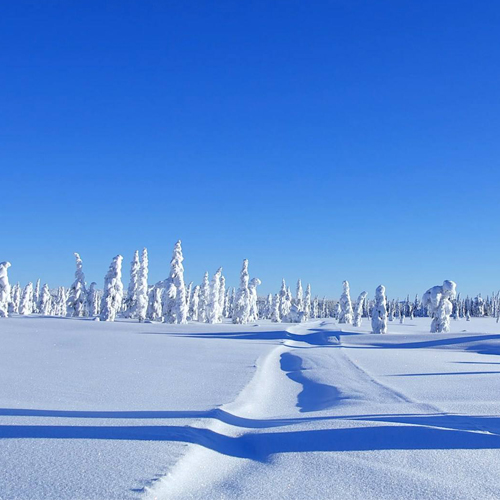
{"points": [[315, 308], [62, 301], [358, 313], [379, 312], [36, 297], [45, 301], [307, 303], [194, 306], [242, 302], [203, 299], [345, 305], [142, 287], [299, 297], [93, 300], [275, 313], [189, 295], [177, 312], [26, 306], [226, 313], [154, 304], [222, 297], [269, 306], [131, 299], [113, 290], [15, 299], [252, 288], [214, 315], [284, 308], [77, 293], [4, 290]]}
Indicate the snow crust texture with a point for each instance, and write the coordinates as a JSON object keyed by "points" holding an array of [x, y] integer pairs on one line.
{"points": [[269, 410]]}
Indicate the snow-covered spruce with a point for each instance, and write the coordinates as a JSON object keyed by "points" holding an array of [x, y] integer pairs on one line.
{"points": [[307, 304], [77, 294], [226, 313], [252, 288], [203, 299], [195, 299], [93, 300], [241, 311], [299, 297], [142, 287], [26, 305], [379, 312], [131, 299], [36, 297], [4, 290], [213, 312], [179, 312], [222, 297], [154, 303], [275, 312], [15, 299], [345, 305], [189, 295], [358, 312], [45, 301], [438, 302], [113, 290]]}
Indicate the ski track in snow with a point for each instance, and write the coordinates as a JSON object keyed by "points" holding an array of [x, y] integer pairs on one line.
{"points": [[285, 379]]}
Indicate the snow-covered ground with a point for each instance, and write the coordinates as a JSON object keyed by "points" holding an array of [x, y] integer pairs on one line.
{"points": [[93, 410]]}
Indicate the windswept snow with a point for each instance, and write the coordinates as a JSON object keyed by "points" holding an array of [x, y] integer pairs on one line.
{"points": [[313, 410]]}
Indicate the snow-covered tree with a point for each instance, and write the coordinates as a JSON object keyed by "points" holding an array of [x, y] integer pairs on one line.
{"points": [[61, 300], [226, 313], [26, 306], [15, 299], [189, 295], [93, 300], [77, 295], [307, 303], [269, 306], [345, 305], [36, 297], [113, 290], [315, 308], [45, 301], [194, 306], [222, 297], [131, 299], [154, 303], [169, 293], [358, 313], [283, 305], [438, 302], [241, 311], [379, 312], [275, 313], [214, 313], [299, 297], [4, 290], [203, 299], [252, 288], [142, 287], [179, 311]]}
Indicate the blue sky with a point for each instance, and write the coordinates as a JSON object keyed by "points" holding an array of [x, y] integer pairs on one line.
{"points": [[323, 140]]}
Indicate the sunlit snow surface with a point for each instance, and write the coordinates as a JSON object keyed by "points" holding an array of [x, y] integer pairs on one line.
{"points": [[94, 410]]}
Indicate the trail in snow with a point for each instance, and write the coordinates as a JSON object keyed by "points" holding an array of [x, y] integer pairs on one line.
{"points": [[316, 404]]}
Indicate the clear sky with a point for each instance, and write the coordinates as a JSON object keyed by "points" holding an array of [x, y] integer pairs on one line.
{"points": [[324, 140]]}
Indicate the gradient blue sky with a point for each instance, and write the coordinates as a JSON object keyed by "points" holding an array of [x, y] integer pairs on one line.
{"points": [[324, 140]]}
